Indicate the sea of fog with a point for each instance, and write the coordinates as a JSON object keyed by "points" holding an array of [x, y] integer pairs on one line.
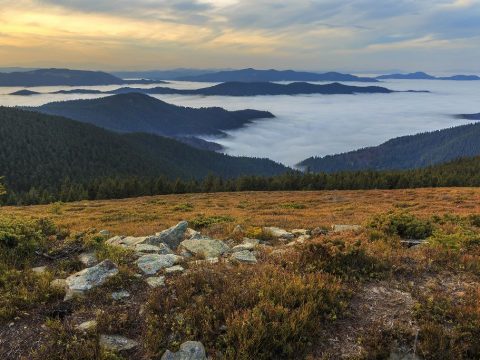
{"points": [[307, 125]]}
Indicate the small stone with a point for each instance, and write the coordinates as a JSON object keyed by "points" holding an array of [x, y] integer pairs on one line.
{"points": [[189, 350], [238, 231], [39, 269], [104, 233], [189, 233], [87, 326], [174, 269], [125, 241], [120, 295], [155, 282], [150, 264], [248, 244], [117, 343], [245, 256], [207, 261], [88, 259]]}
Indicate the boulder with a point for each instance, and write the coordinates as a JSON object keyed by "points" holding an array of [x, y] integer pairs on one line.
{"points": [[88, 259], [82, 281], [209, 248], [278, 233], [190, 350], [150, 264], [172, 236], [104, 233], [117, 343], [248, 244], [189, 233], [244, 256], [155, 281]]}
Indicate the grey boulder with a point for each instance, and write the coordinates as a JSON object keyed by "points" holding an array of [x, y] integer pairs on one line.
{"points": [[209, 248], [172, 236], [150, 264], [189, 350], [88, 278]]}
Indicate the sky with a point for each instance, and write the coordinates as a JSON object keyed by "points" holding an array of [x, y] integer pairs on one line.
{"points": [[439, 36]]}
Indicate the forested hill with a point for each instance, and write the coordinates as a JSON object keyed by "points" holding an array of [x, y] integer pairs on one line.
{"points": [[248, 89], [134, 112], [38, 150], [405, 152], [54, 77], [253, 75]]}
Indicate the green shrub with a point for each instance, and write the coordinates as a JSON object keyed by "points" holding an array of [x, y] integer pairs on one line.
{"points": [[402, 224], [202, 221]]}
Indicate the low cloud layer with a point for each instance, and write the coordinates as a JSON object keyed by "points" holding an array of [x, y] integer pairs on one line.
{"points": [[362, 35]]}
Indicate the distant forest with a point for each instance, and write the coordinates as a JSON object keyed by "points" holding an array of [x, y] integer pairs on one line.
{"points": [[461, 172]]}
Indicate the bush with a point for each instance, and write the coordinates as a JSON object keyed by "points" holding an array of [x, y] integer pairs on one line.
{"points": [[402, 224], [244, 312], [202, 221]]}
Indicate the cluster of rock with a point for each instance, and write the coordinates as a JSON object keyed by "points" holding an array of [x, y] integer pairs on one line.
{"points": [[164, 253]]}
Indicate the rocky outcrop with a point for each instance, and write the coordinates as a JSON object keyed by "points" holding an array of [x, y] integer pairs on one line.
{"points": [[244, 256], [190, 350], [82, 281]]}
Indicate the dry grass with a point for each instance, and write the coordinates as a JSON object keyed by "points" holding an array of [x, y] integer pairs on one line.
{"points": [[147, 215]]}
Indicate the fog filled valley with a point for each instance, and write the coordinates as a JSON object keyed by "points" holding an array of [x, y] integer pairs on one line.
{"points": [[312, 125]]}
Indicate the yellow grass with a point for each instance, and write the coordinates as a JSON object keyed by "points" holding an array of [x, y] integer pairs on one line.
{"points": [[146, 215]]}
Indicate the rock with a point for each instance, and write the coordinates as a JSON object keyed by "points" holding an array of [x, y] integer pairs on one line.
{"points": [[39, 269], [150, 264], [302, 238], [319, 231], [213, 260], [248, 244], [119, 295], [172, 236], [174, 269], [117, 343], [190, 350], [58, 284], [300, 232], [126, 241], [88, 278], [209, 248], [88, 259], [87, 326], [155, 282], [278, 233], [244, 256], [142, 249], [104, 233], [345, 228]]}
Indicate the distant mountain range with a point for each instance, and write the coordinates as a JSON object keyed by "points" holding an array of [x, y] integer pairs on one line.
{"points": [[134, 112], [38, 150], [241, 89], [253, 75], [405, 152], [172, 74], [424, 76], [63, 77]]}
